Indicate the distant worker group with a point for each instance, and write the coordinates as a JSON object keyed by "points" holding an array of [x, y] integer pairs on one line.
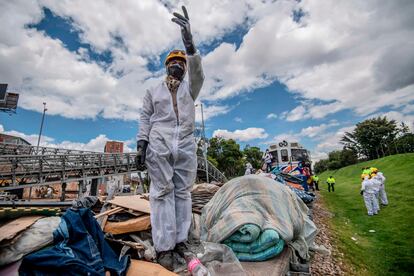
{"points": [[373, 189]]}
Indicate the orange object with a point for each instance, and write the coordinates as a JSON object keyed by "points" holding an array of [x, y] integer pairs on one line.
{"points": [[148, 269]]}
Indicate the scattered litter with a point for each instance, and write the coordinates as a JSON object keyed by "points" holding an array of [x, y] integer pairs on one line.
{"points": [[372, 231], [353, 238]]}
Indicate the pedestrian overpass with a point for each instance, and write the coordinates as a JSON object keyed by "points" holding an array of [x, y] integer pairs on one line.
{"points": [[28, 166]]}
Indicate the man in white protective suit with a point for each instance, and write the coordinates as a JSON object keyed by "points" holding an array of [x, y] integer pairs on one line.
{"points": [[166, 146], [382, 194], [368, 191], [377, 183]]}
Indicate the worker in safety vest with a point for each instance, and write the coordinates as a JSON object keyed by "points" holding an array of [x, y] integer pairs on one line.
{"points": [[315, 179], [331, 183]]}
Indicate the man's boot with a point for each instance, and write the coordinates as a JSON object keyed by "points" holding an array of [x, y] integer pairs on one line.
{"points": [[181, 248], [165, 258]]}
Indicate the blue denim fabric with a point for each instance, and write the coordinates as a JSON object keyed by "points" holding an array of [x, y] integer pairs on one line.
{"points": [[79, 249]]}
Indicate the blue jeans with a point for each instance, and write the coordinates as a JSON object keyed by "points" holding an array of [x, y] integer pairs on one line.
{"points": [[79, 249]]}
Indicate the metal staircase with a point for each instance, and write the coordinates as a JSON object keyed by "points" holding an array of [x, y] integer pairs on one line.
{"points": [[214, 173]]}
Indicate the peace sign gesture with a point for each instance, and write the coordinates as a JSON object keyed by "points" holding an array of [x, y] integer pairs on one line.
{"points": [[184, 22]]}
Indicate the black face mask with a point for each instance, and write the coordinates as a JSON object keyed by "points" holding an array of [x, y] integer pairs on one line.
{"points": [[176, 71]]}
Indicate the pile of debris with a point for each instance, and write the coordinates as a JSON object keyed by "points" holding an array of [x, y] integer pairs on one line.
{"points": [[91, 237], [123, 226]]}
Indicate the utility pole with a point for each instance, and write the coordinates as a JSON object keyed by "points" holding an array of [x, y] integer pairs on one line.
{"points": [[38, 141], [204, 142], [41, 127]]}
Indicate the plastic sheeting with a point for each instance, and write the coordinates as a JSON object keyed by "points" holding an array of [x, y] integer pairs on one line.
{"points": [[219, 259], [37, 236], [257, 200]]}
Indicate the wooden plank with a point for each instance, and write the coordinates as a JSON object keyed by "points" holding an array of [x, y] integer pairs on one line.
{"points": [[128, 226], [273, 267], [11, 229], [103, 223], [134, 202], [148, 269], [109, 212]]}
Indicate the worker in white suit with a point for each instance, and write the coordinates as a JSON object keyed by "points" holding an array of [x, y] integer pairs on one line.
{"points": [[382, 194], [368, 191], [166, 145], [377, 183]]}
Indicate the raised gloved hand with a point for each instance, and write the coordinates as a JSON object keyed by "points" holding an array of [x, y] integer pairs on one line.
{"points": [[141, 151], [184, 22]]}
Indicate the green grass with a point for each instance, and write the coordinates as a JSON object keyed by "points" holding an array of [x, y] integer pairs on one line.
{"points": [[390, 250]]}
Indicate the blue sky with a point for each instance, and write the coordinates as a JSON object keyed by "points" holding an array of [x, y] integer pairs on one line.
{"points": [[304, 71]]}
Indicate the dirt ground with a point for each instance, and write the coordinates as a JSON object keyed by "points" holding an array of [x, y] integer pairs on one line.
{"points": [[323, 264]]}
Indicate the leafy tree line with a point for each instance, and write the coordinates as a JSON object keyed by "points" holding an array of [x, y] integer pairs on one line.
{"points": [[371, 139], [227, 156]]}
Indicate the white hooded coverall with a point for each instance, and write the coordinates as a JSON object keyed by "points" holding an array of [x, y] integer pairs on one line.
{"points": [[368, 187], [382, 193], [377, 184], [171, 156], [249, 168]]}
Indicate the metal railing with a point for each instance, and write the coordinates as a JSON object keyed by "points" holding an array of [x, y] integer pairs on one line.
{"points": [[213, 172], [26, 166], [13, 149], [33, 170]]}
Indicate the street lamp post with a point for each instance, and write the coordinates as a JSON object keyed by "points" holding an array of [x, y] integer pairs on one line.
{"points": [[38, 140], [41, 127], [204, 142]]}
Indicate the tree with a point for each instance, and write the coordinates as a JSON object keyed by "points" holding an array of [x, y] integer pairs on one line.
{"points": [[228, 156], [405, 143], [336, 160], [372, 138], [253, 155], [348, 157], [321, 166]]}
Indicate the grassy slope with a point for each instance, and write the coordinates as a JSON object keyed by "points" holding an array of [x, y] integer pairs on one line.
{"points": [[390, 250]]}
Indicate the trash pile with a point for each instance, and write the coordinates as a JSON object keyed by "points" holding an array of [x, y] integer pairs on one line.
{"points": [[248, 219]]}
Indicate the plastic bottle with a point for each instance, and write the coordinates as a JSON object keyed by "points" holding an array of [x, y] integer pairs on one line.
{"points": [[195, 267]]}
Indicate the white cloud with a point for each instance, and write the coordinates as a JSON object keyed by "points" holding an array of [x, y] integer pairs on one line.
{"points": [[238, 119], [332, 141], [408, 109], [96, 144], [314, 131], [339, 53], [210, 111], [243, 135], [336, 54], [271, 116]]}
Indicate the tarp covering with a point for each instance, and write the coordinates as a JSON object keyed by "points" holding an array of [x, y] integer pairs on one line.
{"points": [[253, 199], [251, 245]]}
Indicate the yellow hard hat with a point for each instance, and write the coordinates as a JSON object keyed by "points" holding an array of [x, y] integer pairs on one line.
{"points": [[176, 54]]}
